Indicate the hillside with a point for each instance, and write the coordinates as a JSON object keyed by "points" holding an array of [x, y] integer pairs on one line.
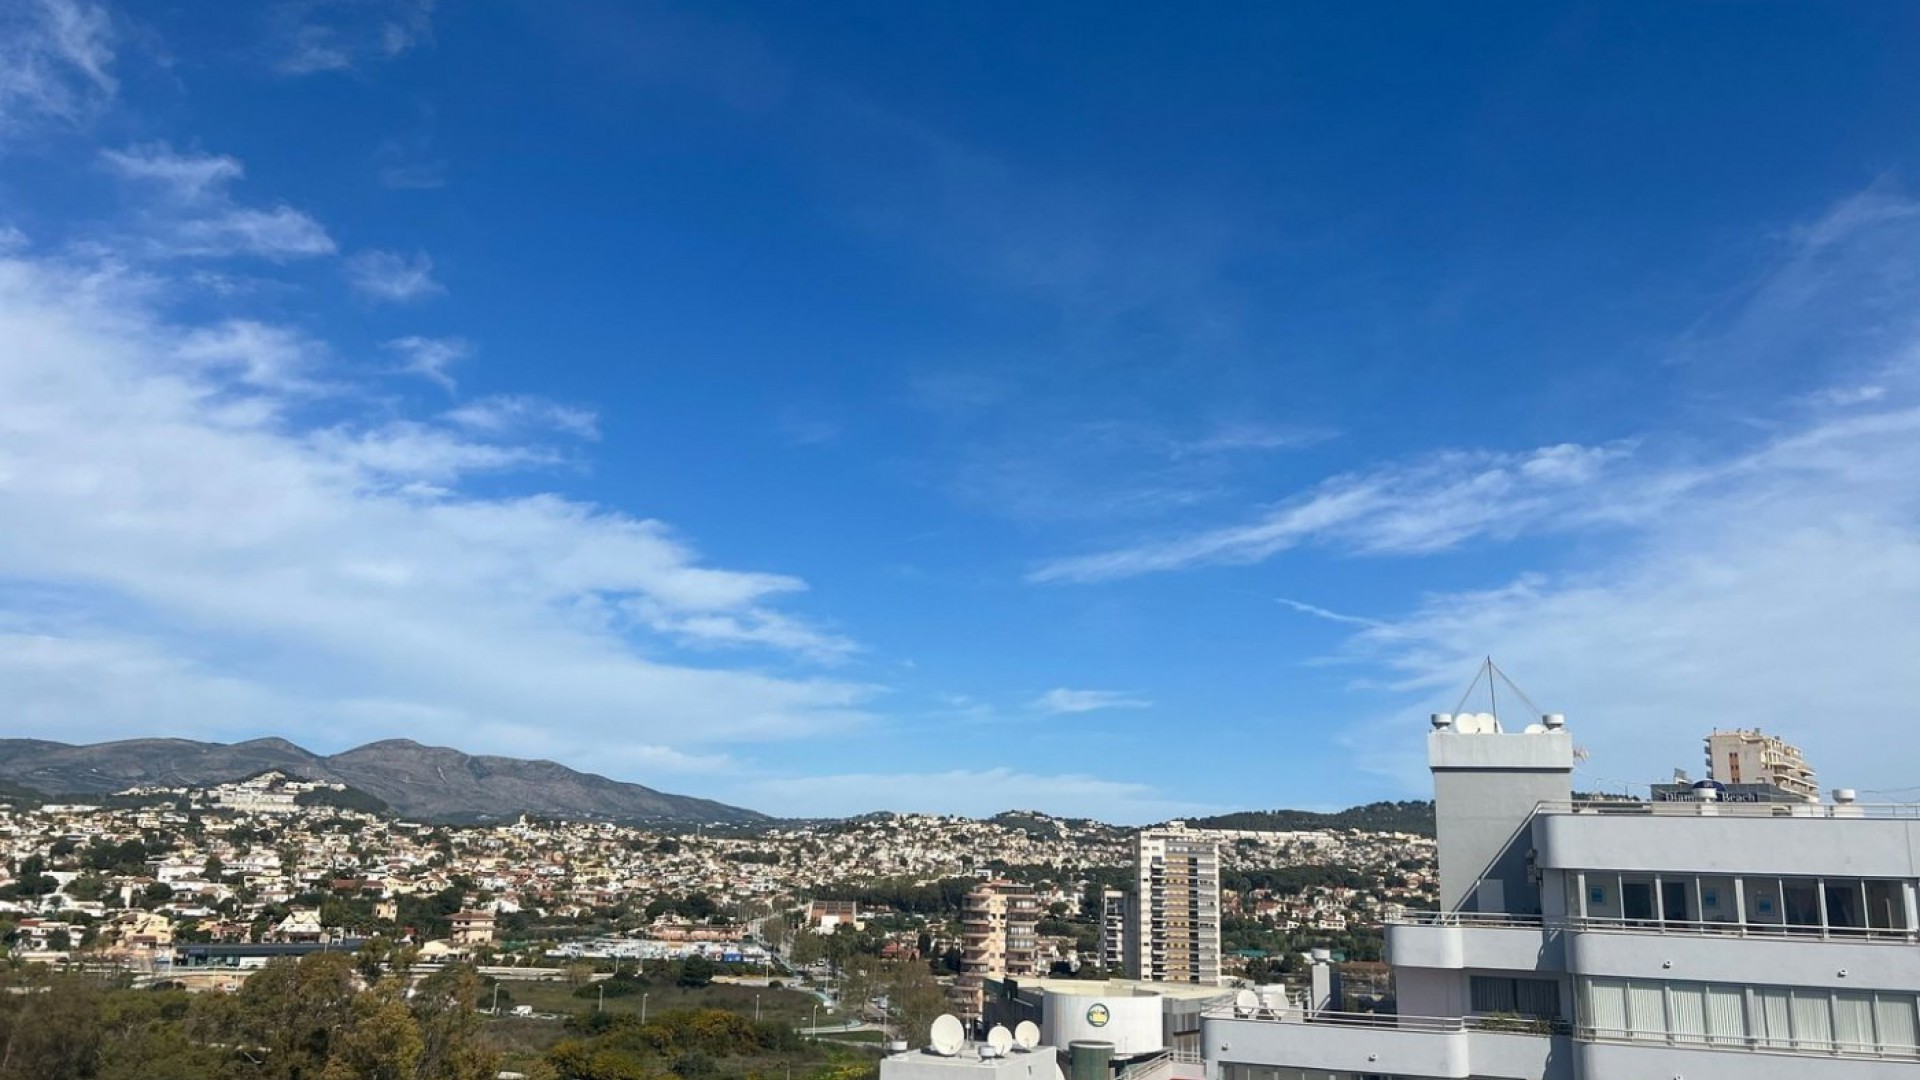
{"points": [[428, 783], [1414, 816]]}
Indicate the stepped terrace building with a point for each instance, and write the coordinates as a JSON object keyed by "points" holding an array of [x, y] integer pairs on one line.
{"points": [[1621, 940]]}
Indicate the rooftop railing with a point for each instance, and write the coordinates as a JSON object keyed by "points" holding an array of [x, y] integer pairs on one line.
{"points": [[1596, 924], [1465, 918], [1502, 1023], [1837, 811]]}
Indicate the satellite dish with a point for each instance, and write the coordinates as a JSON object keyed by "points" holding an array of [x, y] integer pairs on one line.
{"points": [[1245, 1002], [1273, 1000], [946, 1036], [1026, 1035], [1000, 1039]]}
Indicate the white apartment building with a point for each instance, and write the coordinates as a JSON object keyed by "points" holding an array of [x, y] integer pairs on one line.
{"points": [[1745, 756], [1622, 940], [1116, 918], [1176, 923]]}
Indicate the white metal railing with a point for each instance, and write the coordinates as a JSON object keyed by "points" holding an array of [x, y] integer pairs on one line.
{"points": [[1864, 935], [1598, 924], [1830, 811], [1511, 1024], [1465, 918], [1808, 1047], [1158, 1067]]}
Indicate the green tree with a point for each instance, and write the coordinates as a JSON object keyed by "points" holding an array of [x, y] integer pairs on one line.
{"points": [[696, 971], [294, 1010], [382, 1044], [450, 1046], [914, 1000]]}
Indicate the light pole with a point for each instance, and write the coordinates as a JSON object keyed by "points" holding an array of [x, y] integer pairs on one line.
{"points": [[643, 1010], [756, 1008], [602, 1006], [814, 1032]]}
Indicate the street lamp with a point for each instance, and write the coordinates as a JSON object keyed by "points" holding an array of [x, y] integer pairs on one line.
{"points": [[643, 1010], [756, 1008], [815, 1032]]}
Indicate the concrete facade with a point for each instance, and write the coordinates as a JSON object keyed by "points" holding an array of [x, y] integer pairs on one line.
{"points": [[1589, 941], [1176, 925]]}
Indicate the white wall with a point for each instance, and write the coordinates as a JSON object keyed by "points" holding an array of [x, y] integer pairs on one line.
{"points": [[1133, 1024]]}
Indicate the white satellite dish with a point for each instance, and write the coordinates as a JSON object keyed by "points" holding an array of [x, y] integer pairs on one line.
{"points": [[1000, 1039], [1026, 1035], [947, 1035], [1245, 1002], [1273, 1001]]}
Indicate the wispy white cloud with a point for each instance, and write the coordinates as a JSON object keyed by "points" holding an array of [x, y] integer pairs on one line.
{"points": [[1426, 505], [975, 792], [1063, 700], [214, 566], [195, 215], [56, 61], [392, 277], [511, 413], [262, 356], [311, 36], [1774, 583], [431, 358], [1326, 613]]}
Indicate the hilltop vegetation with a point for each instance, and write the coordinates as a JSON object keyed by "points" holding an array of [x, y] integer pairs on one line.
{"points": [[1413, 816]]}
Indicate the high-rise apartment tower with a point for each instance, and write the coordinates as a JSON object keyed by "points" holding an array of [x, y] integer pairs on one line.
{"points": [[1177, 907]]}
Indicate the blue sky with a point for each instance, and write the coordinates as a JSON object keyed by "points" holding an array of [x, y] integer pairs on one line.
{"points": [[836, 407]]}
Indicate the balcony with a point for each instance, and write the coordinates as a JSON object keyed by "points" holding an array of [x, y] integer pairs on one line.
{"points": [[1457, 940], [1369, 1043], [1652, 949]]}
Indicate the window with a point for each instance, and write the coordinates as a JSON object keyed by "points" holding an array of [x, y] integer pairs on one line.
{"points": [[1538, 998], [1886, 905], [1819, 1021]]}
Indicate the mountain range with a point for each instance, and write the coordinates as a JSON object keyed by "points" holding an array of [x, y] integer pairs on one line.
{"points": [[424, 783]]}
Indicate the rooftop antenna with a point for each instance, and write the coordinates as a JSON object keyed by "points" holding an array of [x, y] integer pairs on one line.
{"points": [[1491, 672]]}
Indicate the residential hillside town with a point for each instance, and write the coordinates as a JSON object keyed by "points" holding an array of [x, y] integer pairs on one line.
{"points": [[154, 877]]}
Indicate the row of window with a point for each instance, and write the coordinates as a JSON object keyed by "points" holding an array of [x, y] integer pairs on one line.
{"points": [[1837, 905], [1876, 1022]]}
